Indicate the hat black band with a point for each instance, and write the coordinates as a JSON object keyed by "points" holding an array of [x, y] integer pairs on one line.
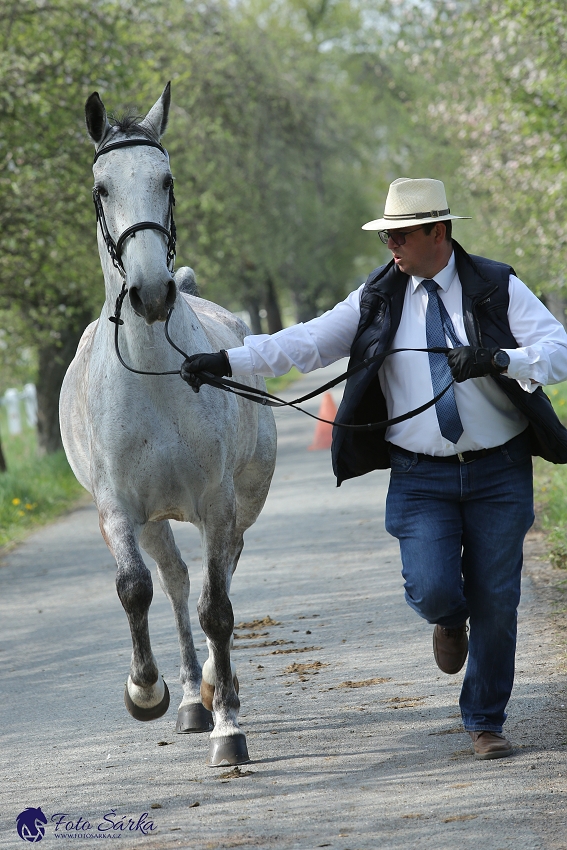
{"points": [[432, 214]]}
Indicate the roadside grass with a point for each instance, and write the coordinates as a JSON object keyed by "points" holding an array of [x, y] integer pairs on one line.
{"points": [[550, 493], [278, 385], [35, 489], [550, 489], [557, 393]]}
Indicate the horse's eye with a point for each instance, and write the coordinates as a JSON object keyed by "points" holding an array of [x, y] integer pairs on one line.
{"points": [[102, 191], [168, 182]]}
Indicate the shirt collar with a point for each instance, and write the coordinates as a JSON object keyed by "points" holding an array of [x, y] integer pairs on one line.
{"points": [[444, 278]]}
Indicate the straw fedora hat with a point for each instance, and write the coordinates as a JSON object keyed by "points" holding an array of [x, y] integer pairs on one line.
{"points": [[413, 201]]}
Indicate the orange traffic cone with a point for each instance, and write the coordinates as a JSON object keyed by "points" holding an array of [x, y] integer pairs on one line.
{"points": [[323, 436]]}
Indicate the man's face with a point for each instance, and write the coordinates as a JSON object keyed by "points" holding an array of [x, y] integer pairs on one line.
{"points": [[418, 253]]}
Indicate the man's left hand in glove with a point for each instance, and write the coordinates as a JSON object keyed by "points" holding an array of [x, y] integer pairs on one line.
{"points": [[216, 364], [470, 362]]}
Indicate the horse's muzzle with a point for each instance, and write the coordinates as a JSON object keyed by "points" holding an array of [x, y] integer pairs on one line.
{"points": [[153, 304]]}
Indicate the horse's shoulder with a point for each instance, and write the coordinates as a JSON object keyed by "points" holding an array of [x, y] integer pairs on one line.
{"points": [[208, 311], [88, 335]]}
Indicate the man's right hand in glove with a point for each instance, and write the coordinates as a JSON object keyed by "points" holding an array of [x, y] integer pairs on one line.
{"points": [[216, 364]]}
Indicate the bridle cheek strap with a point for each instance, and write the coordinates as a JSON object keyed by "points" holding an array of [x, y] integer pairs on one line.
{"points": [[115, 248]]}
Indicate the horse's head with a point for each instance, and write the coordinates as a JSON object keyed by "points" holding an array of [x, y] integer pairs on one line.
{"points": [[133, 195]]}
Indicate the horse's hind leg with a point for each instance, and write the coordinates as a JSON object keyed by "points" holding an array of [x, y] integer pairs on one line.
{"points": [[209, 676], [157, 540], [146, 695], [220, 552]]}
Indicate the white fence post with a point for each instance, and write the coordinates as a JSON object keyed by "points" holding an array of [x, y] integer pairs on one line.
{"points": [[29, 398], [12, 402]]}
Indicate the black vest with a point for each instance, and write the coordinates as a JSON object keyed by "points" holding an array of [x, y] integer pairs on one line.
{"points": [[485, 313]]}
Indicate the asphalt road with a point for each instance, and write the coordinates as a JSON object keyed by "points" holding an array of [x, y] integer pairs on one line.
{"points": [[354, 733]]}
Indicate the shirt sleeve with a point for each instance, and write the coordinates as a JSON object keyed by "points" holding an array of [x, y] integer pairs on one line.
{"points": [[307, 346], [541, 358]]}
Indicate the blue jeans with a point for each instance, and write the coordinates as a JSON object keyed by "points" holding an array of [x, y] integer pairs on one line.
{"points": [[461, 529]]}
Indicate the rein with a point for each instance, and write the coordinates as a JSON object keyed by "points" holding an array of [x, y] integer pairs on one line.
{"points": [[250, 393], [265, 398]]}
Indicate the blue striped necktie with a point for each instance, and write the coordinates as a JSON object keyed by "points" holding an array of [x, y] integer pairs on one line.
{"points": [[438, 326]]}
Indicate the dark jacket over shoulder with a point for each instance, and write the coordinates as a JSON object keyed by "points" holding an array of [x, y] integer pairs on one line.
{"points": [[485, 285]]}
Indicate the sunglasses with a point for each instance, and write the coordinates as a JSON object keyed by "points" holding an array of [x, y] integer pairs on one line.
{"points": [[398, 237]]}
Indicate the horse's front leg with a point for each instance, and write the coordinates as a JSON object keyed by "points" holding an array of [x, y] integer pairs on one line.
{"points": [[220, 554], [157, 540], [146, 694]]}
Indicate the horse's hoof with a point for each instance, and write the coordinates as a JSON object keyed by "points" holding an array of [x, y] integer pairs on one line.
{"points": [[229, 749], [208, 692], [194, 718], [144, 714]]}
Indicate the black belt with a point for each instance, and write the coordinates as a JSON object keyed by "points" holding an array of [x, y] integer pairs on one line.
{"points": [[460, 457]]}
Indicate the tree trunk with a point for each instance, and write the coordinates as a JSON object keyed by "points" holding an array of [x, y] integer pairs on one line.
{"points": [[305, 306], [3, 467], [556, 303], [54, 360], [274, 317], [253, 307]]}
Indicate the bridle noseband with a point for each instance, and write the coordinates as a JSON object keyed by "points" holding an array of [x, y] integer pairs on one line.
{"points": [[115, 248]]}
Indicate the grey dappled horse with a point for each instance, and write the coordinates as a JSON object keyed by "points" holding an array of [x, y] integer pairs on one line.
{"points": [[147, 447]]}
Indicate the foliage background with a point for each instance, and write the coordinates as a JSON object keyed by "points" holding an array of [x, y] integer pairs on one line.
{"points": [[289, 120]]}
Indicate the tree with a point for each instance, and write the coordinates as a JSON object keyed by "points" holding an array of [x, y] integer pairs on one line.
{"points": [[274, 188], [283, 123], [50, 57], [501, 95]]}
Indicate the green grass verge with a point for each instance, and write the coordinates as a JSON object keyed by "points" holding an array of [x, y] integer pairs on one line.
{"points": [[35, 489], [278, 385], [550, 492], [550, 489]]}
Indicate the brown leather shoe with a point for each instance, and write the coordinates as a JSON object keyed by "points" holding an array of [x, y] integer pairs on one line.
{"points": [[491, 745], [450, 648]]}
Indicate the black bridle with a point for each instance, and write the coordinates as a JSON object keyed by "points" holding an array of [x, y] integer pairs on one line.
{"points": [[242, 390], [115, 248]]}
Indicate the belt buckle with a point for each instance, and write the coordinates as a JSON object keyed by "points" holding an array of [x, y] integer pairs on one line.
{"points": [[461, 457]]}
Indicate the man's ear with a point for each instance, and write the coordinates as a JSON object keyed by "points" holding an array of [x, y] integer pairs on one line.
{"points": [[439, 232]]}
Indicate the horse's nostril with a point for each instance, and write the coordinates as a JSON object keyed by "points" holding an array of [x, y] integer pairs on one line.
{"points": [[136, 301], [171, 294], [149, 302]]}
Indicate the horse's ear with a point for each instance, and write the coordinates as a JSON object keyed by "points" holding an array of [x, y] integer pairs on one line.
{"points": [[156, 119], [95, 114]]}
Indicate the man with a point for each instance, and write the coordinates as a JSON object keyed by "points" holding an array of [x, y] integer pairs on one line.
{"points": [[460, 499]]}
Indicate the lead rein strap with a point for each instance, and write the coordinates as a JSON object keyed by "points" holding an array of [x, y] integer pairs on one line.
{"points": [[266, 398], [225, 383], [269, 400]]}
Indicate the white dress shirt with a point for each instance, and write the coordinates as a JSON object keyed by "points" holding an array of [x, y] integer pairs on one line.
{"points": [[488, 417]]}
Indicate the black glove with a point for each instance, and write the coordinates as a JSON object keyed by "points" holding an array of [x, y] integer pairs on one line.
{"points": [[469, 362], [215, 364]]}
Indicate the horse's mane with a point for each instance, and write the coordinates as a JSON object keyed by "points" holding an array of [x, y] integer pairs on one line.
{"points": [[130, 124]]}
